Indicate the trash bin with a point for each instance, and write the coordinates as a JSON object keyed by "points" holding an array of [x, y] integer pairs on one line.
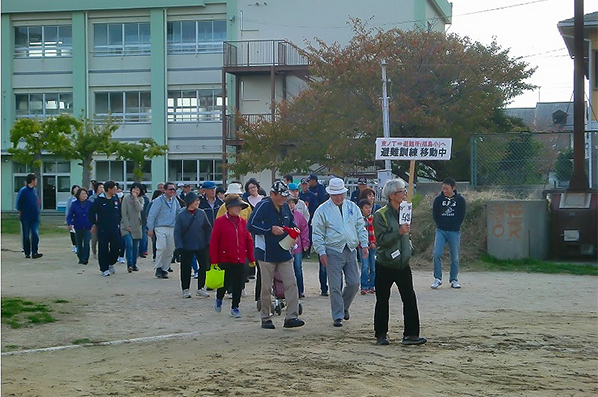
{"points": [[574, 224], [517, 229]]}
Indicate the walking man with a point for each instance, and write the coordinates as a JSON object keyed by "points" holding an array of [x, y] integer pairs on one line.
{"points": [[28, 207], [267, 222], [448, 211], [338, 230], [105, 216], [160, 222]]}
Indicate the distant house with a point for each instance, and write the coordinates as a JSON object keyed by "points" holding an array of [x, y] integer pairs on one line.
{"points": [[546, 116]]}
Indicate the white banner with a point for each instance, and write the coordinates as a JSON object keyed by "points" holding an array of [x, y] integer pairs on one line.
{"points": [[405, 211], [413, 148]]}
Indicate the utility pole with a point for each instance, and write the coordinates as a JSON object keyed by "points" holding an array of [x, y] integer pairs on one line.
{"points": [[386, 173]]}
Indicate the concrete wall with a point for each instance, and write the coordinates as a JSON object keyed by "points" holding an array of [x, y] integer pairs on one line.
{"points": [[518, 229]]}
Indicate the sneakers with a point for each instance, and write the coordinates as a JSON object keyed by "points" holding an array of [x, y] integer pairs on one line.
{"points": [[161, 273], [186, 294], [202, 293], [130, 269], [268, 324], [364, 292], [413, 340], [338, 322], [218, 305], [121, 259], [135, 268], [229, 296], [347, 315], [75, 249], [455, 284], [293, 323], [437, 283], [111, 269], [195, 275], [235, 313], [105, 273], [243, 294], [382, 340], [38, 255]]}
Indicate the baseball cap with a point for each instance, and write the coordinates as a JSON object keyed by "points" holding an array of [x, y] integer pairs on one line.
{"points": [[280, 188], [209, 185], [362, 181], [180, 184], [293, 186], [304, 180], [313, 177]]}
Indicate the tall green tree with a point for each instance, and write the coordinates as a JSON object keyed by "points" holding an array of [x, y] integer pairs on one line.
{"points": [[30, 138], [441, 86], [138, 152]]}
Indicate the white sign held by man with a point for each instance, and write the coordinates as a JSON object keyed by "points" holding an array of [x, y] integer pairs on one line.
{"points": [[405, 211], [413, 148]]}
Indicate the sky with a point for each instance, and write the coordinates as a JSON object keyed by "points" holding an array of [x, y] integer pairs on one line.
{"points": [[528, 28]]}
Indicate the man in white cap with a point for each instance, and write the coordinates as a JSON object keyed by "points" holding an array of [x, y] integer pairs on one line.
{"points": [[338, 230]]}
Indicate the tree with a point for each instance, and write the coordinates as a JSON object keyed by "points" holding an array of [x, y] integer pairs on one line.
{"points": [[32, 137], [442, 86], [88, 139], [138, 153]]}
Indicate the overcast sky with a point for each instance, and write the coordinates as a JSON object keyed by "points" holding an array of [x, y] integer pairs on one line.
{"points": [[529, 29]]}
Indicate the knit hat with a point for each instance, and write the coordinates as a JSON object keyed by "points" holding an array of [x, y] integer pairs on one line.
{"points": [[190, 197]]}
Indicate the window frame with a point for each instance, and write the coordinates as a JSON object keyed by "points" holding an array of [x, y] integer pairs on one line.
{"points": [[199, 45], [43, 113], [123, 46], [44, 49], [143, 115], [192, 112]]}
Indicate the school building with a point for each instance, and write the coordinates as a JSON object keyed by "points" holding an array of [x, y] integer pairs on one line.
{"points": [[175, 71]]}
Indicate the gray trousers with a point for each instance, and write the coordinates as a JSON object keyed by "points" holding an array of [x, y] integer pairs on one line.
{"points": [[289, 281], [342, 297]]}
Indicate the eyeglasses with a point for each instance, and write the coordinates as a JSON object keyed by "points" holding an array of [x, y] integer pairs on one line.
{"points": [[400, 191], [172, 189]]}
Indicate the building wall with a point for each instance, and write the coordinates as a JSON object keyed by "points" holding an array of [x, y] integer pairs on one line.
{"points": [[89, 75]]}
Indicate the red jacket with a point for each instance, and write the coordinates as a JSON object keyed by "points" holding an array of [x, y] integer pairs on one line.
{"points": [[230, 243]]}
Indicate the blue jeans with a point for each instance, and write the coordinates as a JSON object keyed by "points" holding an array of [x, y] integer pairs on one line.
{"points": [[82, 237], [323, 279], [30, 229], [194, 264], [368, 269], [143, 244], [298, 266], [454, 240], [131, 249]]}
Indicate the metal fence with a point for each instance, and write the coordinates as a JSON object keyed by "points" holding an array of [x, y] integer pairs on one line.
{"points": [[527, 161]]}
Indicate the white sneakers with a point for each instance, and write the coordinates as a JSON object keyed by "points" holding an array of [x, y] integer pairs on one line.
{"points": [[202, 293], [438, 283], [186, 294], [121, 259]]}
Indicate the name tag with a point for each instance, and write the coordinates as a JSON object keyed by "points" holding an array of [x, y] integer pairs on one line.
{"points": [[395, 254]]}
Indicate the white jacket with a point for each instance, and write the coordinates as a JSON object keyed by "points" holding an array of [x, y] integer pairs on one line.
{"points": [[333, 231]]}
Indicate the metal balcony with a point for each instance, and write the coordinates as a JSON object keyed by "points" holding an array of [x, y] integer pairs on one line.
{"points": [[259, 56]]}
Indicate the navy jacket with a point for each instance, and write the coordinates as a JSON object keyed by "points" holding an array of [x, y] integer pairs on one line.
{"points": [[78, 215], [320, 191], [192, 231], [28, 203], [211, 213], [449, 212], [105, 213], [311, 200], [260, 223]]}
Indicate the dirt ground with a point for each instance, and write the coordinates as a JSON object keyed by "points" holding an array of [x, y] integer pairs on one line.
{"points": [[502, 334]]}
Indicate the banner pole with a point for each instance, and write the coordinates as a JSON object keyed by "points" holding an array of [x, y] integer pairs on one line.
{"points": [[411, 178]]}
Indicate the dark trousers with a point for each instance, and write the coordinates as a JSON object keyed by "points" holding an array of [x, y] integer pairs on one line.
{"points": [[109, 246], [202, 261], [82, 237], [258, 281], [73, 238], [234, 281], [323, 278], [30, 229], [385, 277]]}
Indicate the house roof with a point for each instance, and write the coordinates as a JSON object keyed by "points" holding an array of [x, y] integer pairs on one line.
{"points": [[541, 118], [566, 29]]}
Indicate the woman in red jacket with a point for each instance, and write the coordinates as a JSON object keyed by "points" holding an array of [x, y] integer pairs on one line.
{"points": [[230, 246]]}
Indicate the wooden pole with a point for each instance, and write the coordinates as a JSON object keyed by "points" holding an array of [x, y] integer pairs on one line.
{"points": [[411, 178]]}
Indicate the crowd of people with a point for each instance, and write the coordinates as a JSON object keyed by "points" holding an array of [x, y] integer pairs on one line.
{"points": [[361, 245]]}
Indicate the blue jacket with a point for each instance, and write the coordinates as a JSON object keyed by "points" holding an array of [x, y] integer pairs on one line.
{"points": [[449, 212], [320, 191], [28, 203], [264, 216], [78, 215], [211, 213], [192, 231], [311, 200], [105, 213]]}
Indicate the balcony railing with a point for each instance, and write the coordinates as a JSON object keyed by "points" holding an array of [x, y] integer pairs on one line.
{"points": [[262, 53], [231, 125]]}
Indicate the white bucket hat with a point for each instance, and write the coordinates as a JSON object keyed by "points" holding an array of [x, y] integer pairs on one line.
{"points": [[336, 186], [234, 188]]}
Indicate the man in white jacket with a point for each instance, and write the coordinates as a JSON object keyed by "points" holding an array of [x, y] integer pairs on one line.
{"points": [[338, 230]]}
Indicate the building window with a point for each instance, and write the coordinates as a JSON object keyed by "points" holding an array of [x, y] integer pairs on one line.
{"points": [[128, 106], [43, 105], [195, 36], [121, 38], [121, 172], [43, 41], [194, 106], [195, 171]]}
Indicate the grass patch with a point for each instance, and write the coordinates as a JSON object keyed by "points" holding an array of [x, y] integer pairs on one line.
{"points": [[17, 312], [530, 265], [82, 341], [47, 226], [61, 301]]}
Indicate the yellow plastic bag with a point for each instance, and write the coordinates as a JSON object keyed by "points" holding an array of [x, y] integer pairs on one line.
{"points": [[215, 277]]}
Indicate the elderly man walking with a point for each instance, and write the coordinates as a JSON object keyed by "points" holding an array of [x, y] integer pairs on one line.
{"points": [[338, 230], [160, 222]]}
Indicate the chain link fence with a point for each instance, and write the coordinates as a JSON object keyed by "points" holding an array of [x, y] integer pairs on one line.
{"points": [[528, 162]]}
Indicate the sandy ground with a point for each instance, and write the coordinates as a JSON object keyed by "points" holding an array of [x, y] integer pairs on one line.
{"points": [[502, 334]]}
